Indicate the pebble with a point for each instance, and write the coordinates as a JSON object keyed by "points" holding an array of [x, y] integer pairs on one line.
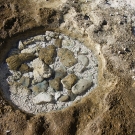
{"points": [[55, 84], [57, 95], [40, 87], [60, 72], [81, 86], [20, 45], [48, 54], [64, 98], [83, 60], [69, 81], [25, 81], [42, 98], [41, 70]]}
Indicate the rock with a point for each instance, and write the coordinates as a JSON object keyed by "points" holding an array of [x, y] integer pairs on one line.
{"points": [[42, 98], [69, 81], [58, 43], [50, 34], [41, 70], [83, 60], [81, 86], [25, 81], [29, 75], [14, 62], [31, 50], [48, 38], [25, 68], [29, 41], [21, 45], [40, 87], [60, 72], [79, 68], [57, 95], [24, 57], [48, 54], [64, 98], [55, 84], [39, 38], [67, 57]]}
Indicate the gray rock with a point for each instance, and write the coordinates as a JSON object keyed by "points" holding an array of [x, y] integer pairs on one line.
{"points": [[40, 87], [83, 60], [81, 86], [67, 57], [25, 81], [60, 72], [64, 98], [55, 84], [42, 98], [69, 81]]}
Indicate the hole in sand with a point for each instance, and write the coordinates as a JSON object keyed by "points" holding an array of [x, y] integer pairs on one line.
{"points": [[48, 72]]}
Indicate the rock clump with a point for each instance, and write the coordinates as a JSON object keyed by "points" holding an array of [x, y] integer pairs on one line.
{"points": [[81, 86], [67, 57], [48, 54], [69, 81], [42, 98], [40, 70], [64, 98], [40, 87], [55, 84]]}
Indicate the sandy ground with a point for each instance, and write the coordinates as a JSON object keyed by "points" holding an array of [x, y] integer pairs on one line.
{"points": [[107, 28]]}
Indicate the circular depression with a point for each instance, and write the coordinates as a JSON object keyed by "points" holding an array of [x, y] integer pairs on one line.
{"points": [[48, 72]]}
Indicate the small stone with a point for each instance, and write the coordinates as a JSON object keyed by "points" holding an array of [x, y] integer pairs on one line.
{"points": [[20, 46], [42, 98], [25, 68], [69, 81], [57, 95], [39, 38], [79, 68], [58, 43], [40, 87], [60, 72], [24, 57], [83, 60], [41, 70], [25, 81], [55, 84], [48, 38], [48, 54], [13, 62], [28, 42], [67, 57], [81, 86], [64, 98], [29, 75]]}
